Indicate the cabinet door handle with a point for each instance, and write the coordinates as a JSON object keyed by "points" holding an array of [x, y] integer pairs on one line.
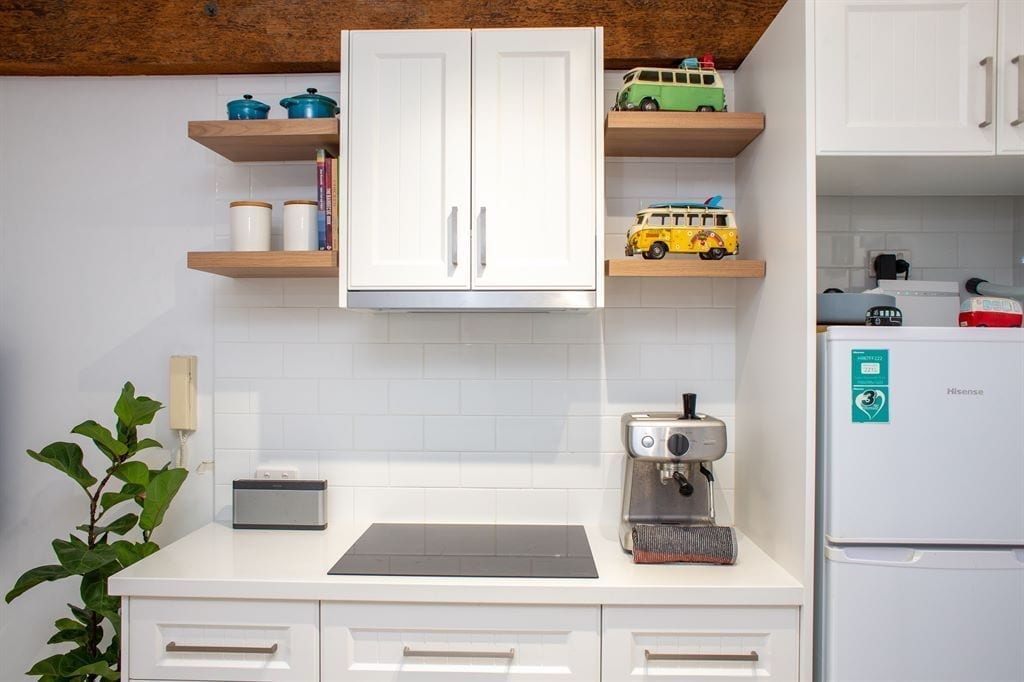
{"points": [[483, 237], [651, 656], [510, 654], [454, 236], [990, 89], [1019, 61], [218, 649]]}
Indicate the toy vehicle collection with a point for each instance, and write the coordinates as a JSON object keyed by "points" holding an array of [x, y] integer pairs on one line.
{"points": [[694, 86], [705, 229], [990, 311], [884, 316]]}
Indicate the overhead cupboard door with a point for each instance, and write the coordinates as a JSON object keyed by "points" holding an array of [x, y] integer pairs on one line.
{"points": [[533, 159], [409, 159]]}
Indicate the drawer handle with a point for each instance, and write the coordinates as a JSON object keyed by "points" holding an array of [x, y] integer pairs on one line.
{"points": [[217, 649], [752, 656], [990, 89], [1019, 61], [510, 654]]}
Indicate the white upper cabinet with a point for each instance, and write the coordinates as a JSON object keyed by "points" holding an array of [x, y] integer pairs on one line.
{"points": [[409, 159], [1010, 66], [907, 76], [473, 161], [534, 207]]}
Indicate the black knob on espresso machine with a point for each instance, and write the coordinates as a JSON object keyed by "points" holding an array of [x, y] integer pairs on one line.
{"points": [[678, 444], [689, 406]]}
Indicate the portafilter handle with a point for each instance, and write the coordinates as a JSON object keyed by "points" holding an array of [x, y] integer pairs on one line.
{"points": [[689, 406]]}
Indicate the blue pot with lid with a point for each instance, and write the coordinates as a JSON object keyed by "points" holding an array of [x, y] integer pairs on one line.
{"points": [[246, 108], [310, 105]]}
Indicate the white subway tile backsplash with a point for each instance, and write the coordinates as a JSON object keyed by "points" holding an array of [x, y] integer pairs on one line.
{"points": [[531, 361], [983, 249], [280, 182], [423, 327], [296, 325], [496, 327], [354, 468], [833, 214], [247, 431], [317, 432], [312, 292], [639, 178], [532, 506], [706, 325], [886, 214], [424, 469], [640, 325], [927, 250], [458, 361], [567, 397], [568, 470], [423, 396], [353, 396], [340, 505], [231, 324], [724, 363], [530, 434], [388, 505], [453, 434], [675, 292], [496, 470], [675, 361], [595, 434], [573, 327], [498, 397], [968, 214], [231, 395], [307, 463], [388, 433], [621, 292], [455, 505], [283, 396], [248, 359], [317, 360], [230, 465], [604, 362], [347, 326], [627, 396], [589, 506], [388, 361]]}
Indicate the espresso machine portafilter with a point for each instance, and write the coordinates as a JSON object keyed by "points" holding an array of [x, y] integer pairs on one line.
{"points": [[668, 473]]}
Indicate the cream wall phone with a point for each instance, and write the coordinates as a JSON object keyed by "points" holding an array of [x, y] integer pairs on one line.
{"points": [[181, 398]]}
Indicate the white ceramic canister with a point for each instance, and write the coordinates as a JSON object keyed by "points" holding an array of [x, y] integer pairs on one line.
{"points": [[300, 228], [250, 226]]}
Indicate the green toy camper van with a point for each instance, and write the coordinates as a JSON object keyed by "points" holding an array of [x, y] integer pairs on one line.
{"points": [[694, 86]]}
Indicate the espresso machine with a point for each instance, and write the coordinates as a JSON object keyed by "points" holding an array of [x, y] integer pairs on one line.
{"points": [[669, 478]]}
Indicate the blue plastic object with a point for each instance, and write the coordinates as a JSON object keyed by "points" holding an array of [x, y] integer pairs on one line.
{"points": [[246, 109], [711, 202], [310, 105]]}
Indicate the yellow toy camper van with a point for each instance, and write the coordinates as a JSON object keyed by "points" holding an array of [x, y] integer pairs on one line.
{"points": [[707, 230]]}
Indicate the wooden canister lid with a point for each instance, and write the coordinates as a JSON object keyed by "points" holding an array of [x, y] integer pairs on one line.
{"points": [[261, 204], [311, 202]]}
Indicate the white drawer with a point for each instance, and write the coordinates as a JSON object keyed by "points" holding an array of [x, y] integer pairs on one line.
{"points": [[700, 643], [441, 642], [223, 639]]}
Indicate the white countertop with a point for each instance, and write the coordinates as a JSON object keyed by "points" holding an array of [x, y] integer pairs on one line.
{"points": [[217, 561]]}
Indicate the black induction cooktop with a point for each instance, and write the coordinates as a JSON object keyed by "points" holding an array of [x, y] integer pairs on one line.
{"points": [[481, 550]]}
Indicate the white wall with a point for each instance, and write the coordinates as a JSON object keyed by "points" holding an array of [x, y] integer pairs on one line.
{"points": [[426, 416], [950, 238]]}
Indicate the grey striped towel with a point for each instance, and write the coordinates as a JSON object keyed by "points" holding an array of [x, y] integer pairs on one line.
{"points": [[667, 543]]}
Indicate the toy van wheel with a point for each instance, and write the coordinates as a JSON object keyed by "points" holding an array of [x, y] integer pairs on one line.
{"points": [[705, 107], [716, 253], [646, 255], [657, 251], [704, 255], [648, 104]]}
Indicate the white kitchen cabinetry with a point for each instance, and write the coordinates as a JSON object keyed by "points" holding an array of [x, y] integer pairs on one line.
{"points": [[473, 159], [714, 644], [223, 639], [440, 642], [911, 77]]}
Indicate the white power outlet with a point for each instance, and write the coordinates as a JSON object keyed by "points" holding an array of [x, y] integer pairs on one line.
{"points": [[277, 473], [901, 254]]}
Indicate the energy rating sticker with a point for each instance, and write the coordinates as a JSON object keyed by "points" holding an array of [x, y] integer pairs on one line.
{"points": [[869, 378]]}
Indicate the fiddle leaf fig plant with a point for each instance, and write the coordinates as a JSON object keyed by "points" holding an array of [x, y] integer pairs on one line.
{"points": [[101, 547]]}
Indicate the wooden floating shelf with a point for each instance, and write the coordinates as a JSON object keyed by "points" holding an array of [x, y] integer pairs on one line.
{"points": [[265, 263], [288, 139], [679, 267], [680, 133]]}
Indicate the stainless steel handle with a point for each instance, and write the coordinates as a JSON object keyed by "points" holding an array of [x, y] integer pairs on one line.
{"points": [[454, 236], [1019, 61], [510, 654], [217, 649], [752, 656], [483, 236], [990, 89]]}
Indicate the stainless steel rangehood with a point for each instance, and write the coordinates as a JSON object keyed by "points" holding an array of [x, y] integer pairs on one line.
{"points": [[473, 169]]}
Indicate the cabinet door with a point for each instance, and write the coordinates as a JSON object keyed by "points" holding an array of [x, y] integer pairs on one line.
{"points": [[1010, 137], [409, 160], [534, 166], [905, 76]]}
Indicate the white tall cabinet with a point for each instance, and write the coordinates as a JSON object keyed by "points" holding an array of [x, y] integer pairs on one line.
{"points": [[473, 159], [1010, 65]]}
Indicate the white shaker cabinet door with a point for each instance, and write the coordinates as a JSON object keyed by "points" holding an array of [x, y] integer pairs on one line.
{"points": [[1010, 135], [534, 192], [409, 159], [905, 76]]}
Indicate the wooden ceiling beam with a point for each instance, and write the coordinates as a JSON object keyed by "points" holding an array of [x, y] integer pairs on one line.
{"points": [[160, 37]]}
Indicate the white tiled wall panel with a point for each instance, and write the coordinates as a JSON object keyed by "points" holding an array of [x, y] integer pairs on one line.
{"points": [[472, 417], [949, 238]]}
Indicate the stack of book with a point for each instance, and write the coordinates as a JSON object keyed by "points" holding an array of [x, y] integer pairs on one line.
{"points": [[326, 200]]}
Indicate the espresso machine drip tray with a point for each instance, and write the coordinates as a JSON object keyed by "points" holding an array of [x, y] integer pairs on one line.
{"points": [[480, 550]]}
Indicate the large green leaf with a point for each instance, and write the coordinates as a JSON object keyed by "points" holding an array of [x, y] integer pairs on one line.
{"points": [[66, 457], [129, 552], [98, 668], [73, 660], [33, 577], [147, 443], [83, 615], [104, 440], [77, 558], [119, 526], [131, 411], [94, 594], [128, 491], [77, 634], [47, 666], [133, 472], [161, 490]]}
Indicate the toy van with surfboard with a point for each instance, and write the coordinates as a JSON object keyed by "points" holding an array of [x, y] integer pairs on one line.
{"points": [[705, 229]]}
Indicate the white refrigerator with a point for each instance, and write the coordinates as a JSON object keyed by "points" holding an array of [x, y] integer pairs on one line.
{"points": [[920, 505]]}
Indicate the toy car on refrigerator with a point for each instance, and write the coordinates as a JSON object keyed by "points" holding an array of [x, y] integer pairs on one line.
{"points": [[990, 311], [694, 86], [705, 229]]}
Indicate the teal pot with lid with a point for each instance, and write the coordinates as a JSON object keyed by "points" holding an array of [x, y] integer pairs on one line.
{"points": [[310, 105], [246, 109]]}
